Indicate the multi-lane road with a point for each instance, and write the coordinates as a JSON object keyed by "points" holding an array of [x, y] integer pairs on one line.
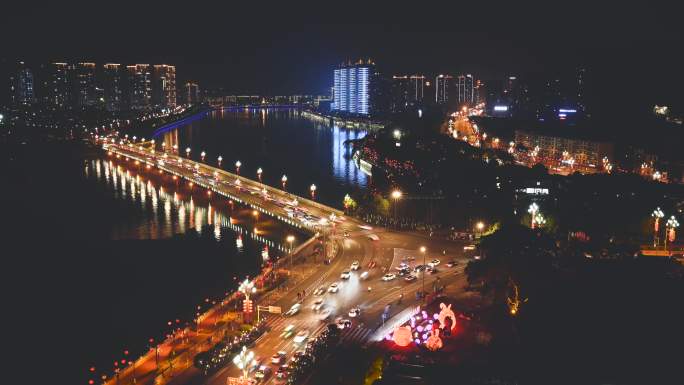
{"points": [[358, 242]]}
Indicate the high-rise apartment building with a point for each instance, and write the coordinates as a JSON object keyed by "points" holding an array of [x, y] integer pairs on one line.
{"points": [[164, 86], [417, 84], [139, 86], [21, 86], [84, 85], [192, 93], [465, 89], [443, 88], [352, 83], [113, 87], [57, 89]]}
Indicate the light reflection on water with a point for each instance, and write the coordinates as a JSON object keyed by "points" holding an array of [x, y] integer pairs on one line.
{"points": [[164, 214], [281, 141]]}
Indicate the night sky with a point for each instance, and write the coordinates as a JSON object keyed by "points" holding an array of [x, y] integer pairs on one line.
{"points": [[633, 54]]}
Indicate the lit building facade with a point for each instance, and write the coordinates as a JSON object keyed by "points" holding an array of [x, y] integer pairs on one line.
{"points": [[465, 89], [164, 86], [57, 88], [25, 90], [113, 93], [352, 88], [192, 93], [139, 86], [443, 87], [84, 85], [417, 84]]}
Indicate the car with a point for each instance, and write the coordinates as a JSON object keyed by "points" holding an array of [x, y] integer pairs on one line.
{"points": [[317, 305], [294, 309], [434, 262], [282, 371], [333, 288], [345, 275], [287, 332], [343, 323], [404, 272], [432, 270], [388, 277], [419, 268], [354, 312], [278, 357], [325, 314], [355, 265], [410, 278], [365, 227], [319, 291], [402, 266], [468, 247], [451, 263], [301, 336], [363, 275], [263, 373], [476, 257]]}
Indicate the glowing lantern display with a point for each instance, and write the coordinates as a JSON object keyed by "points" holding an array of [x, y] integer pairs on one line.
{"points": [[402, 336], [445, 313], [434, 342]]}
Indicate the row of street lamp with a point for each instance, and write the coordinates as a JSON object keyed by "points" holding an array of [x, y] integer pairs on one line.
{"points": [[670, 227]]}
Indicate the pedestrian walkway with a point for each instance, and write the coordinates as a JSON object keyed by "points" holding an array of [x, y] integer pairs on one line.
{"points": [[355, 335]]}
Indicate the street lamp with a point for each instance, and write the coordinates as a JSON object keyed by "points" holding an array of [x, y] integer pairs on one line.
{"points": [[313, 190], [423, 250], [203, 154], [396, 195], [243, 360], [259, 172], [479, 226], [670, 227], [533, 210], [247, 288], [187, 152], [284, 180], [220, 159], [237, 166], [657, 214], [290, 239]]}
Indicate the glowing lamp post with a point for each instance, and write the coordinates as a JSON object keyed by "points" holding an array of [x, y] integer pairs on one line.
{"points": [[243, 361], [422, 251], [284, 180], [313, 190], [533, 210], [237, 167], [670, 227], [187, 152], [220, 159], [396, 195], [290, 239], [479, 227], [203, 154], [259, 172], [247, 288], [657, 214]]}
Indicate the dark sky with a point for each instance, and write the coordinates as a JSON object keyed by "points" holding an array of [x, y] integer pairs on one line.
{"points": [[634, 53]]}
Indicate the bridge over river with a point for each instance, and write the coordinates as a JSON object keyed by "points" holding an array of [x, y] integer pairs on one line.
{"points": [[296, 211]]}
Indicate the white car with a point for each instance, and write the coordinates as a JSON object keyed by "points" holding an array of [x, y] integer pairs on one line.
{"points": [[354, 312], [434, 263], [333, 288], [287, 332], [355, 265], [301, 336], [345, 275], [343, 323], [325, 314], [278, 357], [388, 277], [319, 291], [364, 275], [317, 305], [294, 309]]}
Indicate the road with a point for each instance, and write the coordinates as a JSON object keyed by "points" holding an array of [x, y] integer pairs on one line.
{"points": [[356, 242]]}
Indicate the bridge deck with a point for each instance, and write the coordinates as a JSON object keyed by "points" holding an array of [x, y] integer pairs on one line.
{"points": [[289, 208]]}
